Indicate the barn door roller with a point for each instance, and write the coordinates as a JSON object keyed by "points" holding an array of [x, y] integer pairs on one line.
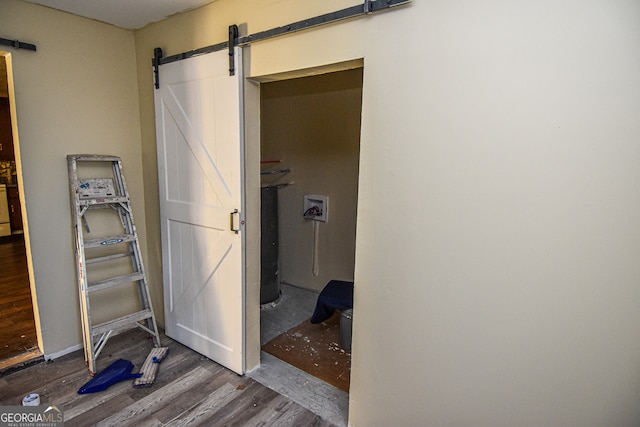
{"points": [[233, 36], [366, 8], [157, 56]]}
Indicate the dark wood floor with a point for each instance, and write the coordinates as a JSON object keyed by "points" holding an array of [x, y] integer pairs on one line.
{"points": [[17, 327], [189, 390]]}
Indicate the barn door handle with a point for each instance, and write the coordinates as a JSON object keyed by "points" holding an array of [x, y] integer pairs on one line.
{"points": [[235, 221]]}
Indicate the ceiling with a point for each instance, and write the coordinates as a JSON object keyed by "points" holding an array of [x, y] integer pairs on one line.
{"points": [[129, 14]]}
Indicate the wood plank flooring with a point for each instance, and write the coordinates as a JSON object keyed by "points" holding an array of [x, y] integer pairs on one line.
{"points": [[17, 327], [189, 390]]}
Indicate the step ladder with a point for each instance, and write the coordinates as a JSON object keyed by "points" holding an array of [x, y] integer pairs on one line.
{"points": [[106, 249]]}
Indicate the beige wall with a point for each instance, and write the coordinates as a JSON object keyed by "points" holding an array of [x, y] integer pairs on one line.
{"points": [[498, 204], [313, 125], [76, 94], [496, 239]]}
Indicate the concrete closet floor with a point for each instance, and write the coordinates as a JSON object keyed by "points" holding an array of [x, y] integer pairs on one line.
{"points": [[295, 306]]}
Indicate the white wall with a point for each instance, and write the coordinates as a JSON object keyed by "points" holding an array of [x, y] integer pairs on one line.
{"points": [[76, 94], [505, 134]]}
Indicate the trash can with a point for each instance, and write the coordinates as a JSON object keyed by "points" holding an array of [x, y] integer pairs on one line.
{"points": [[346, 325]]}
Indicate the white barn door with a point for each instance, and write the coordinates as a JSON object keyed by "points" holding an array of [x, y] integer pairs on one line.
{"points": [[198, 131]]}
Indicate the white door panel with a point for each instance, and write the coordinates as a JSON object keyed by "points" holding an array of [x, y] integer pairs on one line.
{"points": [[199, 167]]}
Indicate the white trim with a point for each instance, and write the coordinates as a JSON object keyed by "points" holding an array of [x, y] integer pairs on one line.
{"points": [[63, 352]]}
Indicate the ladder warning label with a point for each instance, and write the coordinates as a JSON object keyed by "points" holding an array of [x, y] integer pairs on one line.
{"points": [[96, 187], [111, 242]]}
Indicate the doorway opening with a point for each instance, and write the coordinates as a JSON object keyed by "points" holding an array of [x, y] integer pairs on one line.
{"points": [[17, 320], [309, 153]]}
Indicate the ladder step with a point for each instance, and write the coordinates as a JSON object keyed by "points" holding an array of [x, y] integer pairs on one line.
{"points": [[93, 201], [115, 281], [121, 322], [111, 240]]}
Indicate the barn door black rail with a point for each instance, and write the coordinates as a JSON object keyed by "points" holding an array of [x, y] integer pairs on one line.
{"points": [[17, 44], [368, 7]]}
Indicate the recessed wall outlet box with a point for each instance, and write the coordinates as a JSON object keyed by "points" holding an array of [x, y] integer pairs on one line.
{"points": [[316, 207]]}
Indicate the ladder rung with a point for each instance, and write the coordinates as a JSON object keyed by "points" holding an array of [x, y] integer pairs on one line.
{"points": [[107, 241], [115, 281], [121, 322], [108, 257], [92, 201]]}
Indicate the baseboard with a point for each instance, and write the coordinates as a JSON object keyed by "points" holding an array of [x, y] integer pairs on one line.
{"points": [[52, 356]]}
